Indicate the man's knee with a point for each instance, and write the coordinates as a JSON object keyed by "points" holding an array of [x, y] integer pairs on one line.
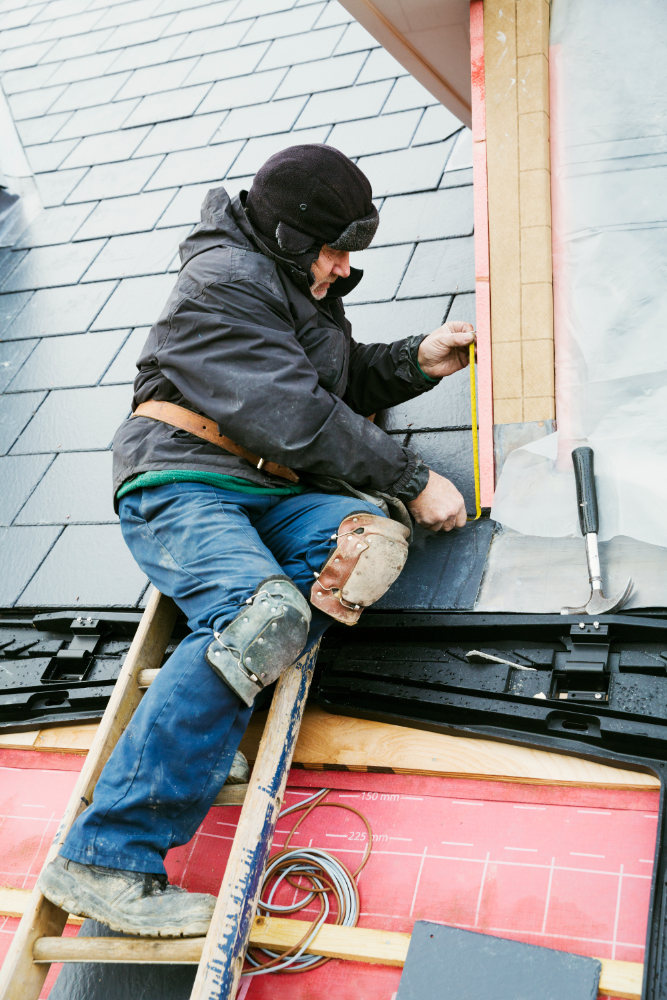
{"points": [[264, 638], [370, 554]]}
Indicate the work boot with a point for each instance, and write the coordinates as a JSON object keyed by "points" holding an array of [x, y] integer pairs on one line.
{"points": [[131, 902], [239, 773]]}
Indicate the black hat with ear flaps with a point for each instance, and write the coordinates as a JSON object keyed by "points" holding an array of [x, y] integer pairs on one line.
{"points": [[306, 196]]}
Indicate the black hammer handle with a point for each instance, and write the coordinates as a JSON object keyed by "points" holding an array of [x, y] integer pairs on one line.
{"points": [[587, 499]]}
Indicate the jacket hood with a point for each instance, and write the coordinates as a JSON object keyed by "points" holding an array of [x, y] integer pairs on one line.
{"points": [[224, 223]]}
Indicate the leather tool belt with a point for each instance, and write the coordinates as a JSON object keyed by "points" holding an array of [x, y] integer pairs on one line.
{"points": [[206, 429]]}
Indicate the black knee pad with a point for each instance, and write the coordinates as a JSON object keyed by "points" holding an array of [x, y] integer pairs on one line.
{"points": [[264, 638]]}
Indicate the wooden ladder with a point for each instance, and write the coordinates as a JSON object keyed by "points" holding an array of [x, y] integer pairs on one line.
{"points": [[223, 949]]}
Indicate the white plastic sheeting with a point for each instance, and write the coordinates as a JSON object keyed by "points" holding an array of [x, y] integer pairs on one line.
{"points": [[609, 192]]}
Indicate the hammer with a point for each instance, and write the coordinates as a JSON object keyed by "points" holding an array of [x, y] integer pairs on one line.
{"points": [[587, 501]]}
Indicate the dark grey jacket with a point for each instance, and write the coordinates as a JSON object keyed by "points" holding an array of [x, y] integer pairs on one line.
{"points": [[278, 371]]}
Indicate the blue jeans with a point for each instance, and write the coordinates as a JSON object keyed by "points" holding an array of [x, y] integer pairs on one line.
{"points": [[208, 549]]}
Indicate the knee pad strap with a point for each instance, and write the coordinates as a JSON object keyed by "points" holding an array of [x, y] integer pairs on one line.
{"points": [[265, 637], [369, 557]]}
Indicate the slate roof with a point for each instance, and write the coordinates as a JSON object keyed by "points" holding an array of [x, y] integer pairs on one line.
{"points": [[128, 113]]}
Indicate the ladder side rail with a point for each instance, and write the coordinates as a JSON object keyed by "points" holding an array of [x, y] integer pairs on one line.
{"points": [[227, 939], [21, 978]]}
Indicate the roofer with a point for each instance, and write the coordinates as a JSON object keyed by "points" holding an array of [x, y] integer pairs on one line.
{"points": [[294, 518]]}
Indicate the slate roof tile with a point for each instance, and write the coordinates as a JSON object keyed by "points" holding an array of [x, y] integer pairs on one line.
{"points": [[406, 170], [429, 216], [167, 105], [63, 362], [209, 163], [32, 103], [140, 253], [148, 54], [222, 66], [462, 154], [18, 80], [288, 22], [383, 270], [83, 68], [10, 260], [377, 135], [10, 305], [175, 6], [354, 39], [88, 93], [463, 309], [242, 91], [262, 119], [188, 133], [205, 16], [74, 420], [314, 77], [19, 16], [456, 178], [15, 37], [70, 574], [257, 151], [25, 55], [135, 302], [255, 8], [437, 124], [344, 105], [185, 206], [440, 266], [109, 180], [49, 155], [52, 311], [383, 322], [61, 8], [35, 130], [76, 24], [15, 412], [23, 549], [224, 37], [77, 45], [54, 225], [55, 502], [19, 475], [302, 48], [108, 147], [380, 66], [123, 369], [133, 214], [407, 93], [93, 121], [47, 266], [126, 13], [155, 79], [56, 186], [136, 32], [12, 356], [448, 405]]}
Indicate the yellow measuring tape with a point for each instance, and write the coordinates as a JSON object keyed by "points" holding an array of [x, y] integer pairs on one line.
{"points": [[475, 436]]}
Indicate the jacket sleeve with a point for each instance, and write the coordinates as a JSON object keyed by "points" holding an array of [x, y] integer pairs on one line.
{"points": [[230, 348], [384, 375]]}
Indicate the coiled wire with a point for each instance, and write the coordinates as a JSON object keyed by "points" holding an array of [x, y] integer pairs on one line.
{"points": [[324, 873]]}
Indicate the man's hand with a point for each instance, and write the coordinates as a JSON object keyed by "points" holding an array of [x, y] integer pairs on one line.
{"points": [[446, 350], [440, 506]]}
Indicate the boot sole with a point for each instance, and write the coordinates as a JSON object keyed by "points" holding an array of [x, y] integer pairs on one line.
{"points": [[93, 908]]}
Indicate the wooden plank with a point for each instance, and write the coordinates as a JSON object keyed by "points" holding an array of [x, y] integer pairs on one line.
{"points": [[68, 739], [19, 741], [326, 740], [354, 944], [20, 977], [14, 903], [227, 939], [358, 744]]}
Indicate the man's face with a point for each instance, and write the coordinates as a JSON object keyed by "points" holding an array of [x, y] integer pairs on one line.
{"points": [[330, 264]]}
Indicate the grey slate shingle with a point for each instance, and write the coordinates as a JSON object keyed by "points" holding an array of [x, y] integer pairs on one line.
{"points": [[440, 266], [140, 253], [234, 62], [257, 151], [135, 302], [344, 105], [375, 135], [15, 412], [59, 310], [102, 118], [70, 574], [23, 549], [54, 225], [82, 68], [10, 305], [55, 187], [383, 269], [190, 166], [429, 216], [226, 36], [110, 180], [132, 214], [87, 93], [33, 102], [168, 105], [262, 119], [19, 475], [383, 322], [61, 362], [302, 48], [12, 356], [42, 129], [186, 133], [74, 420], [47, 266], [153, 79], [49, 155], [185, 206], [406, 170], [109, 147], [312, 78], [55, 502], [124, 366], [354, 39]]}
